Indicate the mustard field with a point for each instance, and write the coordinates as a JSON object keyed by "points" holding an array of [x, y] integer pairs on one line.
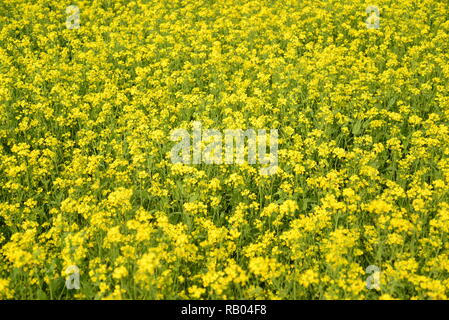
{"points": [[346, 101]]}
